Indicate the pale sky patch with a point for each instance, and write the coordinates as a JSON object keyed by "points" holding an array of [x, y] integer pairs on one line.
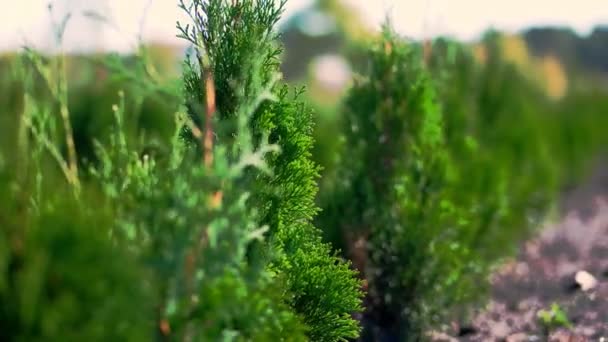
{"points": [[28, 21]]}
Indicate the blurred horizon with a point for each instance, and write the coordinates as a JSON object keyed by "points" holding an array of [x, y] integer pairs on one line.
{"points": [[114, 25]]}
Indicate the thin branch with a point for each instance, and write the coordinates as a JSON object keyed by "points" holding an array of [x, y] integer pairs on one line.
{"points": [[210, 112], [65, 116], [51, 148]]}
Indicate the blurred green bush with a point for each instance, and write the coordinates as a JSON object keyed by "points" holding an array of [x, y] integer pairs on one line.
{"points": [[445, 163]]}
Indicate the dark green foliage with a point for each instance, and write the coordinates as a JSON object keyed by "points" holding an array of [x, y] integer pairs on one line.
{"points": [[53, 286], [390, 188], [498, 122], [446, 164], [320, 286], [197, 250], [323, 288]]}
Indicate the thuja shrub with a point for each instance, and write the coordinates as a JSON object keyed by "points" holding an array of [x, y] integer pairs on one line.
{"points": [[197, 242], [500, 124], [321, 288], [389, 200], [580, 134]]}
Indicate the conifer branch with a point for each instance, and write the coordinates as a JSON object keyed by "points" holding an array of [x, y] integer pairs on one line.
{"points": [[209, 114]]}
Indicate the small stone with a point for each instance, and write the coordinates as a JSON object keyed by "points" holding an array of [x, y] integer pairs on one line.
{"points": [[585, 280], [518, 337], [523, 305], [522, 269]]}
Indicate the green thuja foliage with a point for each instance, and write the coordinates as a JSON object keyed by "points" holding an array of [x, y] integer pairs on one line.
{"points": [[499, 123], [446, 164], [516, 112], [320, 287], [579, 133], [208, 286], [389, 202]]}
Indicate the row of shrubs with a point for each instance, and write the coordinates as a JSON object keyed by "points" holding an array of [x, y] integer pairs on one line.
{"points": [[445, 164], [166, 210]]}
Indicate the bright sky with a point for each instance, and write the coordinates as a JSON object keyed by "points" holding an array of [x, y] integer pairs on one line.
{"points": [[28, 21]]}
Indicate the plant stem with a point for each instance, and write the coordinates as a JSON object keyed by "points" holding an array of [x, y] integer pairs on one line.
{"points": [[67, 126]]}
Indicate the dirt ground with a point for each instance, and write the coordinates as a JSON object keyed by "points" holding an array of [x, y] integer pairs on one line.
{"points": [[545, 273]]}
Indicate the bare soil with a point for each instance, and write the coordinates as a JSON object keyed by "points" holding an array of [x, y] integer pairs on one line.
{"points": [[544, 273]]}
